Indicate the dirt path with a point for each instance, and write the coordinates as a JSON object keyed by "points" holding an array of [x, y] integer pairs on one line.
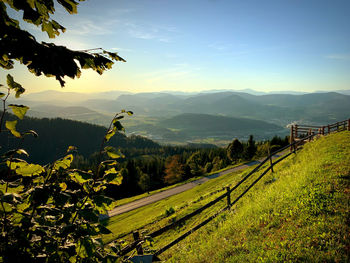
{"points": [[176, 190]]}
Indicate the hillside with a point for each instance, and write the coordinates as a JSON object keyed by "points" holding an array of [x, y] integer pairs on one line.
{"points": [[78, 113], [151, 109], [211, 125], [194, 127], [300, 213], [55, 135], [282, 109]]}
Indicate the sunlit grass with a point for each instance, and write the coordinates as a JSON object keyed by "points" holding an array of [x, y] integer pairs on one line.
{"points": [[152, 216], [150, 193], [298, 214]]}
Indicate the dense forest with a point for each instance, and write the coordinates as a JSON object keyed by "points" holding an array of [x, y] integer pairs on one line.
{"points": [[55, 135], [146, 166]]}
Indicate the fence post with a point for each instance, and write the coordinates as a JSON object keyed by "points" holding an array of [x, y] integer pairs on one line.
{"points": [[136, 236], [323, 130], [269, 153], [309, 133], [228, 196], [295, 137], [329, 129], [337, 126], [348, 124], [291, 137]]}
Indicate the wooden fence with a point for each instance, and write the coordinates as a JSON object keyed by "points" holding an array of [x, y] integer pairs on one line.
{"points": [[298, 136], [298, 132]]}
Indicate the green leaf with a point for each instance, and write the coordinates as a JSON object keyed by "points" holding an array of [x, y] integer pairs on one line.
{"points": [[70, 6], [113, 176], [63, 186], [80, 176], [111, 171], [114, 56], [63, 163], [11, 198], [119, 117], [110, 134], [130, 113], [15, 86], [113, 153], [19, 110], [31, 132], [11, 126], [47, 27], [89, 215], [22, 151], [118, 125], [25, 169], [109, 162], [103, 203], [2, 94]]}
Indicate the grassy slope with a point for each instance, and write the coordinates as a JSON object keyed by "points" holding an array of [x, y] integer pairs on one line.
{"points": [[127, 200], [152, 217], [298, 214]]}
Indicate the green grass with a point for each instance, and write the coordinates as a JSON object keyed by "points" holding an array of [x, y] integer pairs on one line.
{"points": [[298, 214], [137, 197], [153, 216]]}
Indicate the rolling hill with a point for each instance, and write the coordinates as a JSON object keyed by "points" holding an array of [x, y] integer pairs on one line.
{"points": [[211, 125], [188, 127], [78, 113], [153, 111], [55, 135]]}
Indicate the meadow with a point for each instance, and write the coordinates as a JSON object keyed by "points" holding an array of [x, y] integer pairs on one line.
{"points": [[298, 213]]}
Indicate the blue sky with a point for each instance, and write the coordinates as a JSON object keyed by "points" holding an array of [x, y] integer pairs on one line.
{"points": [[190, 45]]}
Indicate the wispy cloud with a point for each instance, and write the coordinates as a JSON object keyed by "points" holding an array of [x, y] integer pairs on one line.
{"points": [[94, 27], [339, 56], [150, 32]]}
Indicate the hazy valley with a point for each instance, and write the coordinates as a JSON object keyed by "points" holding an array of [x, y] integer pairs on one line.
{"points": [[180, 118]]}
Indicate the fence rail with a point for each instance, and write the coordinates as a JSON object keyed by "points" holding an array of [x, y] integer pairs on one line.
{"points": [[299, 134]]}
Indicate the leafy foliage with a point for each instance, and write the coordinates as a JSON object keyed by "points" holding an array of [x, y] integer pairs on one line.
{"points": [[52, 213], [45, 58], [234, 150], [174, 170], [251, 148]]}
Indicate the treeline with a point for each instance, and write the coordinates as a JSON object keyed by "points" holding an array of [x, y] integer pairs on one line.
{"points": [[147, 165], [56, 135], [148, 169]]}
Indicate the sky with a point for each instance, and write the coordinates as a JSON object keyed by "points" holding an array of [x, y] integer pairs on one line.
{"points": [[196, 45]]}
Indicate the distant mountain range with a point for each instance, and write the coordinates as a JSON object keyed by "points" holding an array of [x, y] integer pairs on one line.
{"points": [[162, 116]]}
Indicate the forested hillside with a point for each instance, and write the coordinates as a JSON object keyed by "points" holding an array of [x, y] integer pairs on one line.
{"points": [[146, 165], [55, 135]]}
